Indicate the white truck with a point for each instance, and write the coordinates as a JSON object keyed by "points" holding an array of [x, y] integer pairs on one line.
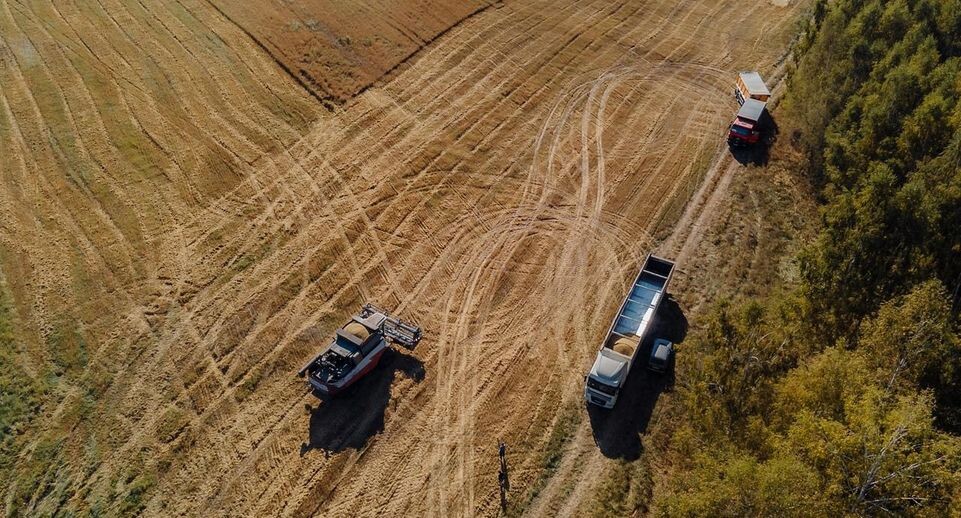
{"points": [[626, 335]]}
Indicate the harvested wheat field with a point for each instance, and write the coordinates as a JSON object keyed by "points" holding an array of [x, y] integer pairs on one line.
{"points": [[196, 194]]}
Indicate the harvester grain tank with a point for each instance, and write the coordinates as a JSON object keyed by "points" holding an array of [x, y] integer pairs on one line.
{"points": [[356, 349], [627, 333]]}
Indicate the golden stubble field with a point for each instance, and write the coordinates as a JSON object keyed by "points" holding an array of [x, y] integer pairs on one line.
{"points": [[194, 196]]}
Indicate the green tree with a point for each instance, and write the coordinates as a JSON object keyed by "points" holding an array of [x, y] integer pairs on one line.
{"points": [[879, 456], [875, 451], [850, 388], [912, 345], [732, 484]]}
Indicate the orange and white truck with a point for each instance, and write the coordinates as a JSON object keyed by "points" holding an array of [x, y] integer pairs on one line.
{"points": [[751, 120]]}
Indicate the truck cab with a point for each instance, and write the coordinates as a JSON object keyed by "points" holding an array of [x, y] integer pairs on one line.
{"points": [[606, 378], [748, 124]]}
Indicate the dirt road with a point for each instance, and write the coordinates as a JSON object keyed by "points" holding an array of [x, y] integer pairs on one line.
{"points": [[500, 190]]}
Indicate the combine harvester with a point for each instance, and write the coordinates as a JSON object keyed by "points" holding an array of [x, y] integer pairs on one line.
{"points": [[627, 333], [356, 349]]}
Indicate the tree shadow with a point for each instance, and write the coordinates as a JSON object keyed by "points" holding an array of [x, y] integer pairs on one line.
{"points": [[349, 419], [617, 432]]}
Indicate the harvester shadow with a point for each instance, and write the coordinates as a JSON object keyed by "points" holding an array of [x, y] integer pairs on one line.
{"points": [[617, 432], [350, 419]]}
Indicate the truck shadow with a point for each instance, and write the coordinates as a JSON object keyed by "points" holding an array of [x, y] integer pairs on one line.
{"points": [[617, 432], [350, 419], [757, 155], [760, 153]]}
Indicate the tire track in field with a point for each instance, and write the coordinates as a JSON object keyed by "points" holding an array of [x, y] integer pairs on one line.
{"points": [[587, 472], [493, 190]]}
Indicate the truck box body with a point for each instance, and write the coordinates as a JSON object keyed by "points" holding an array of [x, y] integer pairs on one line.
{"points": [[749, 85], [625, 337]]}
